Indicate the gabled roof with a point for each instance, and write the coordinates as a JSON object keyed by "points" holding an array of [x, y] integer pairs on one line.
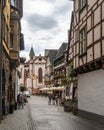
{"points": [[69, 34], [40, 56], [61, 50], [47, 52], [52, 55]]}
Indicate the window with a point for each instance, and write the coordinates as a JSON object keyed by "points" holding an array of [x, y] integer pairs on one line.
{"points": [[11, 40], [40, 75], [4, 3], [82, 41], [5, 34], [13, 3], [40, 59], [82, 4]]}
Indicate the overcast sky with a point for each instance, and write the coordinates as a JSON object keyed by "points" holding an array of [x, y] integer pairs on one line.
{"points": [[45, 24]]}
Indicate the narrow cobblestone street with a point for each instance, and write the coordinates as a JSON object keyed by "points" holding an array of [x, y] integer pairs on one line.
{"points": [[19, 120], [38, 115], [51, 117]]}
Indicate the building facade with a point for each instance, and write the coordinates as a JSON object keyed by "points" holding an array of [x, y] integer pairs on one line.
{"points": [[49, 73], [20, 74], [11, 14], [71, 87], [59, 65], [34, 72], [89, 57]]}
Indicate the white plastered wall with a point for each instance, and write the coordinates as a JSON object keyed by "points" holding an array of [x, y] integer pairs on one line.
{"points": [[91, 92]]}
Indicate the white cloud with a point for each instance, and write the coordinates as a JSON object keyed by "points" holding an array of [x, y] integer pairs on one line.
{"points": [[36, 6], [45, 24]]}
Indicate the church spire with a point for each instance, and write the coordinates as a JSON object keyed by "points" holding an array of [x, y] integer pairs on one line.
{"points": [[32, 54]]}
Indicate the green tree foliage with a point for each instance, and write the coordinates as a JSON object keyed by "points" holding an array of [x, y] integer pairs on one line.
{"points": [[22, 88], [66, 80], [70, 70], [71, 76]]}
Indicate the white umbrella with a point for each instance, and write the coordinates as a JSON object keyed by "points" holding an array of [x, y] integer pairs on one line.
{"points": [[57, 88], [61, 88], [44, 89]]}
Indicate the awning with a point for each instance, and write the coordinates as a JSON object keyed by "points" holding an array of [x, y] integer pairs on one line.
{"points": [[58, 88], [44, 89], [53, 89]]}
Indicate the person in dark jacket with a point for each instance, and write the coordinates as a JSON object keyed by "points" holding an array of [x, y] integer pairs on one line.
{"points": [[49, 99], [18, 100], [56, 99], [53, 98]]}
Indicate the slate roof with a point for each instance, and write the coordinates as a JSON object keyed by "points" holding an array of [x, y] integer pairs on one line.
{"points": [[61, 50], [31, 52], [47, 51], [52, 55]]}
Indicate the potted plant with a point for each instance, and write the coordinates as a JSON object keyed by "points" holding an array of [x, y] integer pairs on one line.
{"points": [[15, 105], [11, 108], [75, 108]]}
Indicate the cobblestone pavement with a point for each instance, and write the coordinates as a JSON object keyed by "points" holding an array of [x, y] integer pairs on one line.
{"points": [[38, 115], [19, 120], [51, 117]]}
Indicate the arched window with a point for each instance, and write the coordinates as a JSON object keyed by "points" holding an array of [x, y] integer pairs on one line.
{"points": [[40, 75]]}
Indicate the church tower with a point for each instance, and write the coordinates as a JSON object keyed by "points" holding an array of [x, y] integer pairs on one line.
{"points": [[35, 72], [32, 54]]}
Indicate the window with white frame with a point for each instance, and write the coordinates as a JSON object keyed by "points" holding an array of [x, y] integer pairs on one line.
{"points": [[82, 4], [82, 41]]}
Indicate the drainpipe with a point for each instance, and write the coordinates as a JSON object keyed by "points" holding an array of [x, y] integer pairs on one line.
{"points": [[1, 59]]}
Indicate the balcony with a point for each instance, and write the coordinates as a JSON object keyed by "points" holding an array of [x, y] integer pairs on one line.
{"points": [[14, 55], [61, 75], [17, 5]]}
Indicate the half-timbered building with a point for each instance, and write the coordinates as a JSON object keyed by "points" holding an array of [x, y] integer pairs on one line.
{"points": [[49, 73], [59, 65], [71, 86], [89, 57]]}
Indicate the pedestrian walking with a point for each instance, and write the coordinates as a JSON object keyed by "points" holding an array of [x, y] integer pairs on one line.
{"points": [[49, 99], [56, 99], [53, 98], [18, 100], [21, 100]]}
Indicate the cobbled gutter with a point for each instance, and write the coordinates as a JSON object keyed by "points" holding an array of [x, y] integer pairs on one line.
{"points": [[31, 122]]}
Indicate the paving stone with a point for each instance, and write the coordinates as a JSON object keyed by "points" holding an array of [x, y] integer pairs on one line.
{"points": [[19, 120], [38, 115]]}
